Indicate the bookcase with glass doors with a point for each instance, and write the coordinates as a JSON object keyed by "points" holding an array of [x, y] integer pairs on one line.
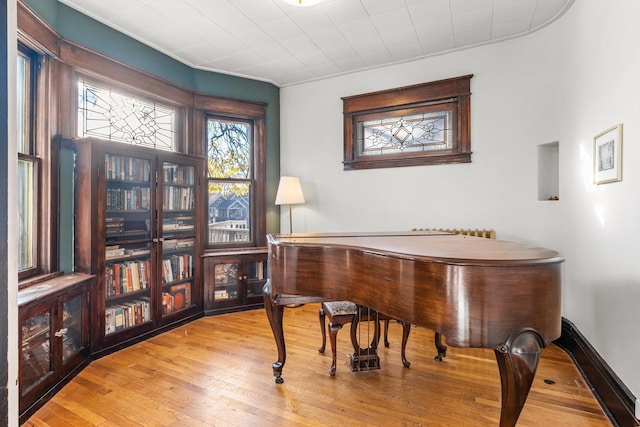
{"points": [[138, 229]]}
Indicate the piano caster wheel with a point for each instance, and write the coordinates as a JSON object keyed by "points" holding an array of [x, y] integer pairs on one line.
{"points": [[439, 357], [278, 374]]}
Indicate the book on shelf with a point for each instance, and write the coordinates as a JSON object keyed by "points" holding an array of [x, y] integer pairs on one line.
{"points": [[128, 199], [178, 198], [174, 244], [114, 253], [114, 225], [127, 315], [126, 168], [109, 320], [221, 294], [178, 223], [177, 174], [137, 252], [124, 277], [177, 267]]}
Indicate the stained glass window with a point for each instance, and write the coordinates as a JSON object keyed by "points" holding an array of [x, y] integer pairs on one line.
{"points": [[406, 134], [107, 114], [423, 124]]}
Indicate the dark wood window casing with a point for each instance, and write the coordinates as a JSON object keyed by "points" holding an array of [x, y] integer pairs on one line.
{"points": [[450, 97]]}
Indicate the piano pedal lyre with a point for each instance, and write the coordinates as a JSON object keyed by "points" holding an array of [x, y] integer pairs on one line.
{"points": [[365, 359], [364, 362]]}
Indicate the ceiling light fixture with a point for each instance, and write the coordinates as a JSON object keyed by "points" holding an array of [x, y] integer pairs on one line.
{"points": [[302, 3]]}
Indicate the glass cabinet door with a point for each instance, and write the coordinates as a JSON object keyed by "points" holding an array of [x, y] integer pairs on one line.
{"points": [[71, 332], [177, 237], [226, 282], [36, 363], [128, 233], [256, 278]]}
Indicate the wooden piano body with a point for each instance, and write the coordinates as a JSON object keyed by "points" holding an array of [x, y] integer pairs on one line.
{"points": [[477, 292]]}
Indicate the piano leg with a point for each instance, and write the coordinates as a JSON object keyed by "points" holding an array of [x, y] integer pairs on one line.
{"points": [[442, 349], [406, 328], [275, 314], [517, 361]]}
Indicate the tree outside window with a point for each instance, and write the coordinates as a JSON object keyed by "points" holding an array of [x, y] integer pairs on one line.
{"points": [[230, 181]]}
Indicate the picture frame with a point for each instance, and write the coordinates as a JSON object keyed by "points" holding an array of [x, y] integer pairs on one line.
{"points": [[607, 155]]}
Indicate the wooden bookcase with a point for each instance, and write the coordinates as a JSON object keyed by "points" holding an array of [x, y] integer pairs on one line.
{"points": [[54, 336], [233, 280], [138, 220]]}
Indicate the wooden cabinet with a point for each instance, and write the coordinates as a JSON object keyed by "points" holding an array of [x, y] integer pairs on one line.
{"points": [[138, 219], [233, 280], [54, 336]]}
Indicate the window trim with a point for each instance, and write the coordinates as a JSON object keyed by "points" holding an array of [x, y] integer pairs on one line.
{"points": [[453, 93], [37, 156], [255, 181]]}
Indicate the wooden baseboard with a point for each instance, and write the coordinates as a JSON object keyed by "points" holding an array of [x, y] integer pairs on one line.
{"points": [[615, 398]]}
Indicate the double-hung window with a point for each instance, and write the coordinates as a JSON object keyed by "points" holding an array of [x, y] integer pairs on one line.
{"points": [[231, 181], [28, 165]]}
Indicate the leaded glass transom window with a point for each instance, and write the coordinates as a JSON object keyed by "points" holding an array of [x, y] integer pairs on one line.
{"points": [[423, 124], [405, 134], [111, 115]]}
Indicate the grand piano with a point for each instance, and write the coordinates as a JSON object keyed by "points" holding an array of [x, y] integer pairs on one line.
{"points": [[477, 292]]}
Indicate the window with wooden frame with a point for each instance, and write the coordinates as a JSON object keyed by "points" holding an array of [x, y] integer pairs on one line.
{"points": [[233, 171], [29, 164], [111, 114], [416, 125]]}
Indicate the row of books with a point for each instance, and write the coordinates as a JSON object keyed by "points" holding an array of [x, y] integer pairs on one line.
{"points": [[115, 252], [177, 267], [127, 168], [176, 298], [128, 199], [177, 244], [176, 174], [114, 225], [181, 223], [126, 315], [130, 276], [221, 294], [178, 198]]}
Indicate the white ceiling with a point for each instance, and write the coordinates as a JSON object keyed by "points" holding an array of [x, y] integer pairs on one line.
{"points": [[273, 41]]}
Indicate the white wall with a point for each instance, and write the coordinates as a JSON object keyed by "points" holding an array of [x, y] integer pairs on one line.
{"points": [[566, 83]]}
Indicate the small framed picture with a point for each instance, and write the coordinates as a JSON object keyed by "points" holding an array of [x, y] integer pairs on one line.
{"points": [[607, 155]]}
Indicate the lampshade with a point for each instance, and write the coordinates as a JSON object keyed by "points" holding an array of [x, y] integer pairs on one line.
{"points": [[289, 191]]}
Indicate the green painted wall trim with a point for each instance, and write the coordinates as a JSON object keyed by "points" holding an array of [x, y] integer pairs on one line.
{"points": [[86, 31]]}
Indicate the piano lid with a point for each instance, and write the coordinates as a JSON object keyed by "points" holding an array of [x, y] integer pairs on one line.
{"points": [[426, 245]]}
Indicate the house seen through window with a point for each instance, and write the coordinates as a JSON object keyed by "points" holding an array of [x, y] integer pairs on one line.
{"points": [[230, 181]]}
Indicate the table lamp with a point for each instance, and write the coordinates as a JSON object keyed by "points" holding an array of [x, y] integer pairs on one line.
{"points": [[289, 193]]}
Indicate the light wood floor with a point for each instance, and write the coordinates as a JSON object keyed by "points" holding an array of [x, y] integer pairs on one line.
{"points": [[216, 371]]}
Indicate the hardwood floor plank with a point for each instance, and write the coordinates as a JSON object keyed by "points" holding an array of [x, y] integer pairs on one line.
{"points": [[216, 371]]}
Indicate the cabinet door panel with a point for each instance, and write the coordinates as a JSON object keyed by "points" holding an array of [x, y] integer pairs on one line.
{"points": [[177, 196], [36, 363], [128, 231]]}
